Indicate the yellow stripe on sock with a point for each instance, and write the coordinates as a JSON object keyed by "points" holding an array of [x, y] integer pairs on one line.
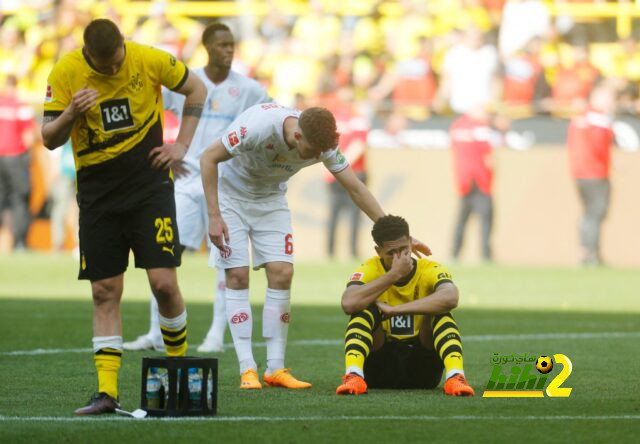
{"points": [[361, 332], [356, 342], [442, 321], [169, 338], [446, 332]]}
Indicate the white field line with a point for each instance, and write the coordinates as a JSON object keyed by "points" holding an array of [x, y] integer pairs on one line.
{"points": [[324, 418], [332, 342]]}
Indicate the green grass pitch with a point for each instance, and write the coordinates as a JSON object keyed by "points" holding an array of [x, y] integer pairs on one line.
{"points": [[592, 316]]}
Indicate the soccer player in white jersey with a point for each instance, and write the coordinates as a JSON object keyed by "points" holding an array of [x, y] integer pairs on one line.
{"points": [[245, 176], [228, 94]]}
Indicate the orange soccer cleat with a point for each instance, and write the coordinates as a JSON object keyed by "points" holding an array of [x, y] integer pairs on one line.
{"points": [[457, 385], [249, 380], [353, 384], [284, 378]]}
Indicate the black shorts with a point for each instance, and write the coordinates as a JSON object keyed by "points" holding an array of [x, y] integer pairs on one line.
{"points": [[148, 228], [403, 365]]}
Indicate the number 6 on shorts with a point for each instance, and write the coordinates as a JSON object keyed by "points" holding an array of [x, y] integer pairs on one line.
{"points": [[288, 244]]}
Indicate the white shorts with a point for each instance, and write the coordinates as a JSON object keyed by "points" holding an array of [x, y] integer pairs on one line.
{"points": [[266, 224], [191, 214]]}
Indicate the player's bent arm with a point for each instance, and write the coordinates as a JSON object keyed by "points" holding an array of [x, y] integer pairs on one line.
{"points": [[56, 130], [195, 95], [358, 297], [211, 157], [443, 300], [359, 193]]}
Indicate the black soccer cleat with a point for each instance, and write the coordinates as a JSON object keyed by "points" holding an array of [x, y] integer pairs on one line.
{"points": [[98, 404]]}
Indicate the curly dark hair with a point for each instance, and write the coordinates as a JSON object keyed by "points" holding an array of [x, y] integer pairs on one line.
{"points": [[389, 228], [102, 38], [210, 31], [319, 127]]}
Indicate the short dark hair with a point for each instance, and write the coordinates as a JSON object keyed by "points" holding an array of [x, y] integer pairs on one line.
{"points": [[102, 38], [210, 31], [389, 228], [319, 127]]}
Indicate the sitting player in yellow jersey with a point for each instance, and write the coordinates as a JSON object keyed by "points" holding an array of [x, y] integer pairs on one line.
{"points": [[401, 333]]}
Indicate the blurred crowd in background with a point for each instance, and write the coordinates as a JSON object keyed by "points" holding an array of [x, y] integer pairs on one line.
{"points": [[391, 62]]}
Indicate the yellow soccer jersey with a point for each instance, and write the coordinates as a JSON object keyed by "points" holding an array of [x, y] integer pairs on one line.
{"points": [[112, 140], [421, 282]]}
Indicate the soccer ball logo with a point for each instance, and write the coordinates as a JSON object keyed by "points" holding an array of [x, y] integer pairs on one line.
{"points": [[544, 364]]}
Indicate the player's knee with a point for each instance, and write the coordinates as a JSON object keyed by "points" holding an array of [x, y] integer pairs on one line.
{"points": [[164, 288], [279, 276], [105, 292], [237, 278]]}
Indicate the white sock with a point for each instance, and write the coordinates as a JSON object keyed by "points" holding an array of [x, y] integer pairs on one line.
{"points": [[114, 342], [453, 372], [356, 370], [219, 325], [275, 326], [154, 329], [238, 313], [176, 323]]}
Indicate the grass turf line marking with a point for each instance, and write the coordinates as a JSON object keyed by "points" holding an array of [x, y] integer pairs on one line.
{"points": [[322, 418], [304, 342]]}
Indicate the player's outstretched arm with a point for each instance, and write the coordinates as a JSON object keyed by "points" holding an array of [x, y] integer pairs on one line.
{"points": [[365, 200], [211, 157], [443, 300], [358, 297], [359, 193], [56, 130]]}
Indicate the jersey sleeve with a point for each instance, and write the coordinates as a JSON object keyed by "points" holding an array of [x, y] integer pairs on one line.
{"points": [[335, 161], [242, 135], [365, 273], [171, 72], [57, 96], [436, 276]]}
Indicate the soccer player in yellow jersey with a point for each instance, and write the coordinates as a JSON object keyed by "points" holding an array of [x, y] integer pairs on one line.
{"points": [[401, 333], [107, 97]]}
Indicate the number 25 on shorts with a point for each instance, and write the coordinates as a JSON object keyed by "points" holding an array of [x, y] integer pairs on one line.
{"points": [[165, 231], [288, 244]]}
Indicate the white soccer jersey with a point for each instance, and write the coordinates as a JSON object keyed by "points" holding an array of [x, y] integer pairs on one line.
{"points": [[262, 162], [225, 101]]}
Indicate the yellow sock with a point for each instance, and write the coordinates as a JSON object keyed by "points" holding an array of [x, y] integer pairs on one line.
{"points": [[358, 339], [446, 339], [175, 341], [107, 362]]}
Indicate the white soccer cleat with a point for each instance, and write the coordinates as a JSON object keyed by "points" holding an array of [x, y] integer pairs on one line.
{"points": [[144, 342], [211, 345]]}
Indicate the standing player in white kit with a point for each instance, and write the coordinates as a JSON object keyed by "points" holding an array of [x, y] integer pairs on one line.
{"points": [[228, 95], [245, 176]]}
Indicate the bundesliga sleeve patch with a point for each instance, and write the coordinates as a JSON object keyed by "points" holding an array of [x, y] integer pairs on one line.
{"points": [[49, 95], [233, 139], [357, 276]]}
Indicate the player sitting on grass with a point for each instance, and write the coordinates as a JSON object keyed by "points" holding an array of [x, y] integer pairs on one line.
{"points": [[401, 333]]}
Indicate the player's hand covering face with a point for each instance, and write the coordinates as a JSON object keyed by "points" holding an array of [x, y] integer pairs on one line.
{"points": [[396, 256], [402, 263]]}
